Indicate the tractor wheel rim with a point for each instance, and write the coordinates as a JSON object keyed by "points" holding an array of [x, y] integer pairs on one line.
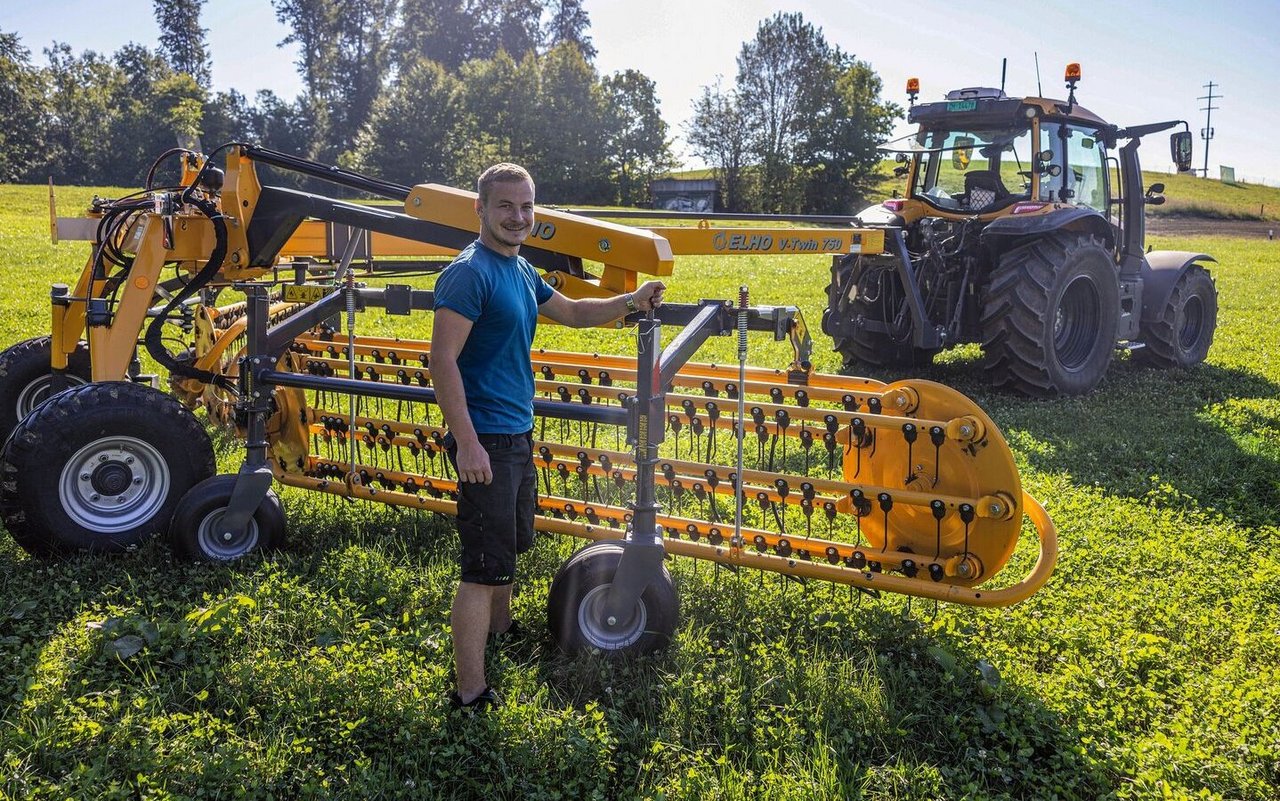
{"points": [[1075, 323], [1191, 320], [218, 544], [114, 484], [591, 622], [37, 392]]}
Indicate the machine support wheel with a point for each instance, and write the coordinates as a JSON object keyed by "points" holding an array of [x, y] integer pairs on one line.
{"points": [[1049, 316], [1182, 334], [881, 301], [100, 468], [576, 603], [26, 380], [195, 532]]}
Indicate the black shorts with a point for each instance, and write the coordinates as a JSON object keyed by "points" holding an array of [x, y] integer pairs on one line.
{"points": [[495, 521]]}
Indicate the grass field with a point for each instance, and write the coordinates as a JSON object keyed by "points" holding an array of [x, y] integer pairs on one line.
{"points": [[1148, 667]]}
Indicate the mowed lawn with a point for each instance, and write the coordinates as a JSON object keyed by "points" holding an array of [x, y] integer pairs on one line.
{"points": [[1148, 667]]}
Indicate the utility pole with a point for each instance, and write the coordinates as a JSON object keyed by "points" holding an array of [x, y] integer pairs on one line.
{"points": [[1206, 133]]}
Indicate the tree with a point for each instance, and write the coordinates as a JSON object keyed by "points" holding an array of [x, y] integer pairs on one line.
{"points": [[782, 70], [410, 132], [509, 25], [637, 143], [720, 136], [565, 118], [182, 40], [81, 108], [344, 55], [568, 24], [24, 113], [443, 31]]}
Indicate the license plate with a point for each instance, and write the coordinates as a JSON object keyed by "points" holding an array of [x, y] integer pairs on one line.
{"points": [[962, 105], [305, 293]]}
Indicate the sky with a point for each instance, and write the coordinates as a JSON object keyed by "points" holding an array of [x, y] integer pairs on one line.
{"points": [[1142, 61]]}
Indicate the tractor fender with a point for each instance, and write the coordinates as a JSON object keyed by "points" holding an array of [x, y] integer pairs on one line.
{"points": [[1160, 270], [998, 232]]}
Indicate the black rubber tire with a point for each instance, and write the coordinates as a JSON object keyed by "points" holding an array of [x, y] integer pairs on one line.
{"points": [[865, 347], [67, 466], [193, 531], [579, 589], [1184, 331], [25, 377], [1049, 316]]}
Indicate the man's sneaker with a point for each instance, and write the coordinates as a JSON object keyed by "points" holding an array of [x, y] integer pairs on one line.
{"points": [[481, 703], [514, 633]]}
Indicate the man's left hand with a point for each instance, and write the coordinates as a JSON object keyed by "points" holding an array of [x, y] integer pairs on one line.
{"points": [[649, 295]]}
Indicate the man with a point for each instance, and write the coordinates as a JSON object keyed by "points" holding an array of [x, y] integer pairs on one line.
{"points": [[486, 309]]}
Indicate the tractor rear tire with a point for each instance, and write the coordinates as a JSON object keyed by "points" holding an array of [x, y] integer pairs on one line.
{"points": [[194, 530], [1050, 315], [862, 346], [1181, 336], [576, 603], [100, 468], [26, 380]]}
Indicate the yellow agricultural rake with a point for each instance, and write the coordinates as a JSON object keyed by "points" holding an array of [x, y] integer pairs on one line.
{"points": [[903, 487]]}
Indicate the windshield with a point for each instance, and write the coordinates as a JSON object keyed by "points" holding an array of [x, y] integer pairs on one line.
{"points": [[973, 169]]}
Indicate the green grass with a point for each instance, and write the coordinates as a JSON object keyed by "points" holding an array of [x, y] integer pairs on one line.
{"points": [[1148, 667]]}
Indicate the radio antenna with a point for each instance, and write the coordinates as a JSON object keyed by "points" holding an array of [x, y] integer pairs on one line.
{"points": [[1039, 90], [1004, 69]]}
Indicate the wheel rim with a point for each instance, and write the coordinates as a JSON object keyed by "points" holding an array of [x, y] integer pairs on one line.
{"points": [[218, 544], [114, 484], [37, 392], [606, 638], [1192, 320], [1075, 324]]}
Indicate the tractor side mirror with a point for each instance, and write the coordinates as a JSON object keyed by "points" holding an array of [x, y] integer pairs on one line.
{"points": [[1155, 196], [1180, 149]]}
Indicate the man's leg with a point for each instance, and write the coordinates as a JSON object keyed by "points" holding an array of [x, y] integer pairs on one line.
{"points": [[500, 609], [470, 620]]}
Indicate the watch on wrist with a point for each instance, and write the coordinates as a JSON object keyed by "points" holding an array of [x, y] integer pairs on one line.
{"points": [[631, 302]]}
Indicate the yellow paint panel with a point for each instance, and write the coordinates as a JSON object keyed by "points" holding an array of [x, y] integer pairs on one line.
{"points": [[771, 241], [631, 249]]}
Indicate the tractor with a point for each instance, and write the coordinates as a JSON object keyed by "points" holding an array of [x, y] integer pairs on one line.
{"points": [[1022, 230]]}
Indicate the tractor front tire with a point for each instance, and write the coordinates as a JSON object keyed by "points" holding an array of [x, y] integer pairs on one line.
{"points": [[26, 380], [576, 605], [100, 468], [1182, 334], [1049, 316], [195, 532]]}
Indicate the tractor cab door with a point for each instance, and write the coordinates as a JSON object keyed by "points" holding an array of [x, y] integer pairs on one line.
{"points": [[1080, 158]]}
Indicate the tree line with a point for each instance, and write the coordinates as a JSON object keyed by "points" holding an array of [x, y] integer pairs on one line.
{"points": [[435, 90]]}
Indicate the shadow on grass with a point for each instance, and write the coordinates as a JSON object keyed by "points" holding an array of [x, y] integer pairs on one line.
{"points": [[779, 687], [1203, 437]]}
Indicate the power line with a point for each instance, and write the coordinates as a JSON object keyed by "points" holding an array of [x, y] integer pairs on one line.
{"points": [[1206, 133]]}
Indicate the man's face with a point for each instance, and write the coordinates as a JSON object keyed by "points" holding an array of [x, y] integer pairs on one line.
{"points": [[506, 217]]}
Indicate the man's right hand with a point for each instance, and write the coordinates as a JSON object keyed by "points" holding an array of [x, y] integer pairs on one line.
{"points": [[473, 463]]}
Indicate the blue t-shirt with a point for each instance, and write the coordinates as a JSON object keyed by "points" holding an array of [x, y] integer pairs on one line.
{"points": [[500, 295]]}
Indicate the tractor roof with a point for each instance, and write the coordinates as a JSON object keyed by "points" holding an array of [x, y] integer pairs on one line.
{"points": [[984, 107]]}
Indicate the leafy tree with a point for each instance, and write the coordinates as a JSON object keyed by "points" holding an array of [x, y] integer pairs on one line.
{"points": [[720, 136], [23, 113], [344, 56], [783, 71], [566, 117], [81, 108], [510, 25], [569, 23], [182, 40], [494, 95], [637, 143], [410, 132], [443, 31], [227, 117]]}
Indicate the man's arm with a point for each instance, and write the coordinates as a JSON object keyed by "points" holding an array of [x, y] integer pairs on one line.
{"points": [[449, 332], [587, 312]]}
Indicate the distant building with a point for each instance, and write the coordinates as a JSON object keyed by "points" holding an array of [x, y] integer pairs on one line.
{"points": [[684, 194]]}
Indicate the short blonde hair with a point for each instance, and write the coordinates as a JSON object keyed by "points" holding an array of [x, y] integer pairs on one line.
{"points": [[500, 173]]}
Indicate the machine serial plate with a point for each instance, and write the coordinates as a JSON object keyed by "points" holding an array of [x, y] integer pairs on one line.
{"points": [[305, 293]]}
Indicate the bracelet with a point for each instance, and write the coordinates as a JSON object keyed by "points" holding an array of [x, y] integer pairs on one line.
{"points": [[631, 302]]}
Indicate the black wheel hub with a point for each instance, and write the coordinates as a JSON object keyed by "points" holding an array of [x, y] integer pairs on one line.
{"points": [[111, 478]]}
